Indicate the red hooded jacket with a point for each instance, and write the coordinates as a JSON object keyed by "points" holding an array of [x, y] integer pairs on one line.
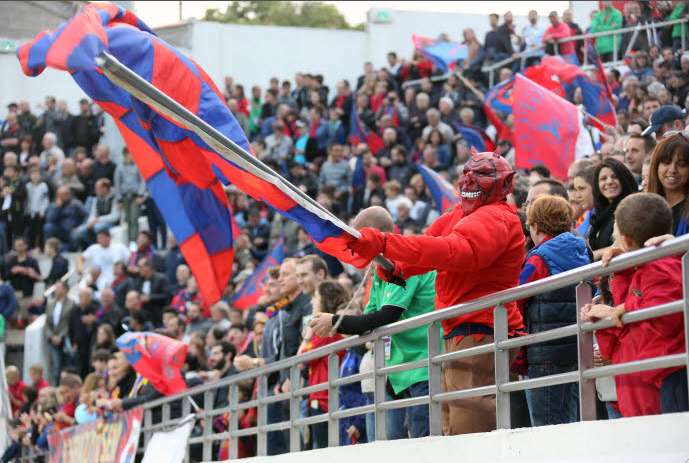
{"points": [[645, 286], [474, 255]]}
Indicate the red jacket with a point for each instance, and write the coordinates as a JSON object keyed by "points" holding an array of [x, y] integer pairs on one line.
{"points": [[474, 255], [318, 369], [638, 288]]}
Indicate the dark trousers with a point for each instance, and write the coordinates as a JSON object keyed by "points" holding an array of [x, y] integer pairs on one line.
{"points": [[35, 232], [403, 423], [553, 404], [319, 431], [673, 393], [276, 439]]}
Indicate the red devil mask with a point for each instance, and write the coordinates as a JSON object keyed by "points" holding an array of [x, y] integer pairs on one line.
{"points": [[487, 179]]}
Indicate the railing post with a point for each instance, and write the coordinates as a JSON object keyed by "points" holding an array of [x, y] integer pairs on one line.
{"points": [[148, 422], [685, 298], [502, 369], [262, 417], [234, 420], [435, 381], [294, 409], [166, 413], [186, 409], [587, 387], [208, 426], [614, 47], [333, 400], [379, 390]]}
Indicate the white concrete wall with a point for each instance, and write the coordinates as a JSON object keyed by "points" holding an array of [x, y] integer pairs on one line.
{"points": [[657, 439], [254, 54]]}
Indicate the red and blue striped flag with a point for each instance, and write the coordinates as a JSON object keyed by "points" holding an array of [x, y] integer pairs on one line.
{"points": [[157, 358], [443, 53], [359, 133], [443, 194], [184, 174], [189, 196], [499, 97], [252, 289]]}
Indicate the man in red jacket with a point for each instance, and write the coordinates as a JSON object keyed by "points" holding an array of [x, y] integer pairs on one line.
{"points": [[477, 249]]}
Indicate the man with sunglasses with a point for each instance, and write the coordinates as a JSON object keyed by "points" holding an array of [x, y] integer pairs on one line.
{"points": [[664, 119]]}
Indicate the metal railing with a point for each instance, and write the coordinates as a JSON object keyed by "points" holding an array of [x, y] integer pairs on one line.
{"points": [[523, 55], [584, 375]]}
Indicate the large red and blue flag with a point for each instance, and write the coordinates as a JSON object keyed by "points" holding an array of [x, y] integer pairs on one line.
{"points": [[359, 133], [548, 129], [184, 174], [157, 358], [252, 289], [443, 194], [443, 53], [499, 97]]}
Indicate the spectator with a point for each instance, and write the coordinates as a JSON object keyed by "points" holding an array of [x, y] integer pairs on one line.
{"points": [[144, 248], [328, 297], [556, 250], [665, 119], [105, 339], [59, 266], [606, 19], [581, 199], [16, 388], [103, 255], [278, 145], [637, 149], [37, 202], [109, 314], [669, 177], [84, 127], [13, 212], [196, 322], [129, 191], [336, 173], [104, 213], [51, 150], [153, 287], [63, 216], [70, 386], [22, 272], [613, 183], [554, 34], [58, 315], [568, 18], [532, 37], [82, 330], [640, 217], [38, 382]]}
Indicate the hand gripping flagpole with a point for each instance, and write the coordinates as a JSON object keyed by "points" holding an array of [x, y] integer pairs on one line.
{"points": [[128, 80]]}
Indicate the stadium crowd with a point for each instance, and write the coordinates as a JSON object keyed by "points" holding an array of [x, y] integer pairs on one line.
{"points": [[63, 198]]}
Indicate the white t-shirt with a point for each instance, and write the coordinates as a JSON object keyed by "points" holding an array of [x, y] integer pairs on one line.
{"points": [[104, 258]]}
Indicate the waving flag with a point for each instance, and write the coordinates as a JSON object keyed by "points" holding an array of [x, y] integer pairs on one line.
{"points": [[177, 164], [252, 289], [444, 195], [196, 209], [359, 133], [499, 97], [157, 358], [444, 54], [548, 129]]}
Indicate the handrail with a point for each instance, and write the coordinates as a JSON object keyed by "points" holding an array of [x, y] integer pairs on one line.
{"points": [[571, 277], [490, 69]]}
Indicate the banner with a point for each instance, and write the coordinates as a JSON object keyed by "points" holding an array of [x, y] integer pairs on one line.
{"points": [[170, 446], [112, 441]]}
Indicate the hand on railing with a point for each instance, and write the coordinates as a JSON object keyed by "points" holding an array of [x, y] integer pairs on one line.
{"points": [[594, 312], [658, 240]]}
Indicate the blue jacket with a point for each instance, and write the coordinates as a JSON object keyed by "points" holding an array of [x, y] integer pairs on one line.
{"points": [[8, 301], [556, 308]]}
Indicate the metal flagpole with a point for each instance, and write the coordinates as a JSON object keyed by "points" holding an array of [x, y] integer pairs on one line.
{"points": [[128, 80]]}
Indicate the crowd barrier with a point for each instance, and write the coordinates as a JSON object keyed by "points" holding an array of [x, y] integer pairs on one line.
{"points": [[157, 414]]}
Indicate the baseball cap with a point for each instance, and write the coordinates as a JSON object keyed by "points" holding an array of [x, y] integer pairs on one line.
{"points": [[663, 115]]}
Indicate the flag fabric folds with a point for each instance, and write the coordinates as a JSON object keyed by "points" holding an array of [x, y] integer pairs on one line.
{"points": [[157, 358], [499, 97], [252, 289], [359, 133], [443, 53], [548, 129], [193, 204], [444, 195], [176, 163]]}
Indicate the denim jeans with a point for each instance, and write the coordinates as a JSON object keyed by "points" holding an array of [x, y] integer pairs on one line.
{"points": [[403, 423], [319, 431], [553, 404], [370, 420], [673, 393], [276, 439]]}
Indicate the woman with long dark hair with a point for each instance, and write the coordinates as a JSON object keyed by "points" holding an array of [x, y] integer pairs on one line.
{"points": [[613, 182], [669, 177]]}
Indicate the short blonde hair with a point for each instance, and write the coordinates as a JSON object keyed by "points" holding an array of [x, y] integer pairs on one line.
{"points": [[551, 214]]}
